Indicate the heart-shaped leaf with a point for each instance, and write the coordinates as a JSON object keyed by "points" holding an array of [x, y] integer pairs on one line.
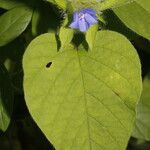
{"points": [[82, 99]]}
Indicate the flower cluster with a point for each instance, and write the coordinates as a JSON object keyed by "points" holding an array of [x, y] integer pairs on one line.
{"points": [[83, 19]]}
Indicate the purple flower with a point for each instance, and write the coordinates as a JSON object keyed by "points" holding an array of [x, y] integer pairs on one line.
{"points": [[83, 19]]}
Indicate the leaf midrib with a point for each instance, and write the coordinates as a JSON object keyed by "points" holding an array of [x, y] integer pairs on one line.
{"points": [[85, 100]]}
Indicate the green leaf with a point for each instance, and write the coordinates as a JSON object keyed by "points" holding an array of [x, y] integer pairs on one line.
{"points": [[106, 4], [65, 35], [90, 35], [60, 3], [6, 98], [145, 4], [13, 23], [142, 127], [136, 16], [96, 4], [9, 4], [99, 5], [82, 99]]}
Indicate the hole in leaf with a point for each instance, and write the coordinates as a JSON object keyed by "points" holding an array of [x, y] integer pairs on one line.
{"points": [[48, 65], [117, 93]]}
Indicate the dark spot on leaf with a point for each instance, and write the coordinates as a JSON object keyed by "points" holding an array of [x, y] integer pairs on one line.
{"points": [[118, 94], [48, 65]]}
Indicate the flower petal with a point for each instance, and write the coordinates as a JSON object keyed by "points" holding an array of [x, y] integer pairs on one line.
{"points": [[75, 16], [90, 19], [83, 25], [74, 25], [83, 19], [89, 11]]}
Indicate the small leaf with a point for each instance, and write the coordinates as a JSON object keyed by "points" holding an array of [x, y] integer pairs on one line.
{"points": [[6, 98], [85, 98], [13, 23], [142, 127], [65, 35], [90, 35]]}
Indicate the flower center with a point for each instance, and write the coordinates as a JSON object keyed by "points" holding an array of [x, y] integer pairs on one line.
{"points": [[81, 16]]}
